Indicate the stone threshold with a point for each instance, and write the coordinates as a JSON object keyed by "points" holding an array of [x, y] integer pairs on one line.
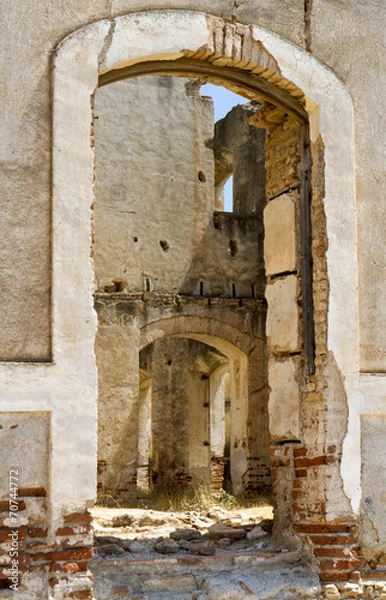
{"points": [[218, 563]]}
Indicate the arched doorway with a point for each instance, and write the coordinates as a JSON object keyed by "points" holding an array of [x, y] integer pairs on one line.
{"points": [[71, 127]]}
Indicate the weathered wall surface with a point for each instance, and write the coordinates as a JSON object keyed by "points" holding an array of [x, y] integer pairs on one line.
{"points": [[137, 332], [25, 151], [26, 106], [180, 370], [360, 69], [154, 223], [29, 35], [154, 182]]}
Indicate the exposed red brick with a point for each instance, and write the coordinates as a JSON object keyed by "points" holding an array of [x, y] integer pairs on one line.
{"points": [[32, 492], [4, 505], [337, 552], [310, 462], [5, 533], [301, 473], [24, 559], [78, 518], [327, 564], [71, 567], [72, 555], [55, 567], [326, 527], [81, 530], [334, 540], [81, 595], [74, 567], [300, 452], [332, 576], [37, 532], [120, 589]]}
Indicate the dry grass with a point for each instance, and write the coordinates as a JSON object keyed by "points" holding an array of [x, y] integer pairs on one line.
{"points": [[177, 500]]}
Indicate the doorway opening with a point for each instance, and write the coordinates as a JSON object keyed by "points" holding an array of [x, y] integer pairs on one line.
{"points": [[163, 249]]}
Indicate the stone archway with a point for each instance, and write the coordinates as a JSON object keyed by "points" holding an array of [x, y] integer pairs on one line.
{"points": [[229, 330], [98, 49]]}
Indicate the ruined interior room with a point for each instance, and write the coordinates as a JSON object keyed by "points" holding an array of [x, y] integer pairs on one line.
{"points": [[160, 338]]}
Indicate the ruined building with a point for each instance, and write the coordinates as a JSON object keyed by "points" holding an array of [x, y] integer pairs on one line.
{"points": [[180, 291], [151, 338]]}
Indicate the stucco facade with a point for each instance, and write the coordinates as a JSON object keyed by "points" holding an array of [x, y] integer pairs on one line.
{"points": [[318, 68]]}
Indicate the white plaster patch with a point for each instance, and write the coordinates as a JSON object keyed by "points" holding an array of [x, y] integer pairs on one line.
{"points": [[282, 315], [284, 403], [155, 34], [280, 238], [23, 450]]}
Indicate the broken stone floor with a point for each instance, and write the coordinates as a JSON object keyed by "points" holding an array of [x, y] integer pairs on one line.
{"points": [[212, 554]]}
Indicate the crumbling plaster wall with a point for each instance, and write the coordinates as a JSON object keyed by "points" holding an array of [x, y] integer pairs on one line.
{"points": [[154, 183], [26, 134], [132, 326], [67, 389], [154, 223]]}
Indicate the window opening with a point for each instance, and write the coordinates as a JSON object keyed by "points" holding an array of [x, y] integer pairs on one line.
{"points": [[223, 102], [228, 195]]}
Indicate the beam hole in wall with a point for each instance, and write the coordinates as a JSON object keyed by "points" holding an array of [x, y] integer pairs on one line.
{"points": [[164, 245], [217, 222], [233, 247]]}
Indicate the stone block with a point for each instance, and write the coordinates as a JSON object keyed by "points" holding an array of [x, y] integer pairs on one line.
{"points": [[219, 531], [173, 584], [284, 400], [282, 316], [280, 236]]}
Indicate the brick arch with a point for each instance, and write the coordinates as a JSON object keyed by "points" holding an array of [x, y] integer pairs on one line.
{"points": [[232, 56], [226, 338]]}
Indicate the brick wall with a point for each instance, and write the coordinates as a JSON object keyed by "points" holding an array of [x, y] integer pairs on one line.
{"points": [[258, 475], [305, 500], [60, 566]]}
